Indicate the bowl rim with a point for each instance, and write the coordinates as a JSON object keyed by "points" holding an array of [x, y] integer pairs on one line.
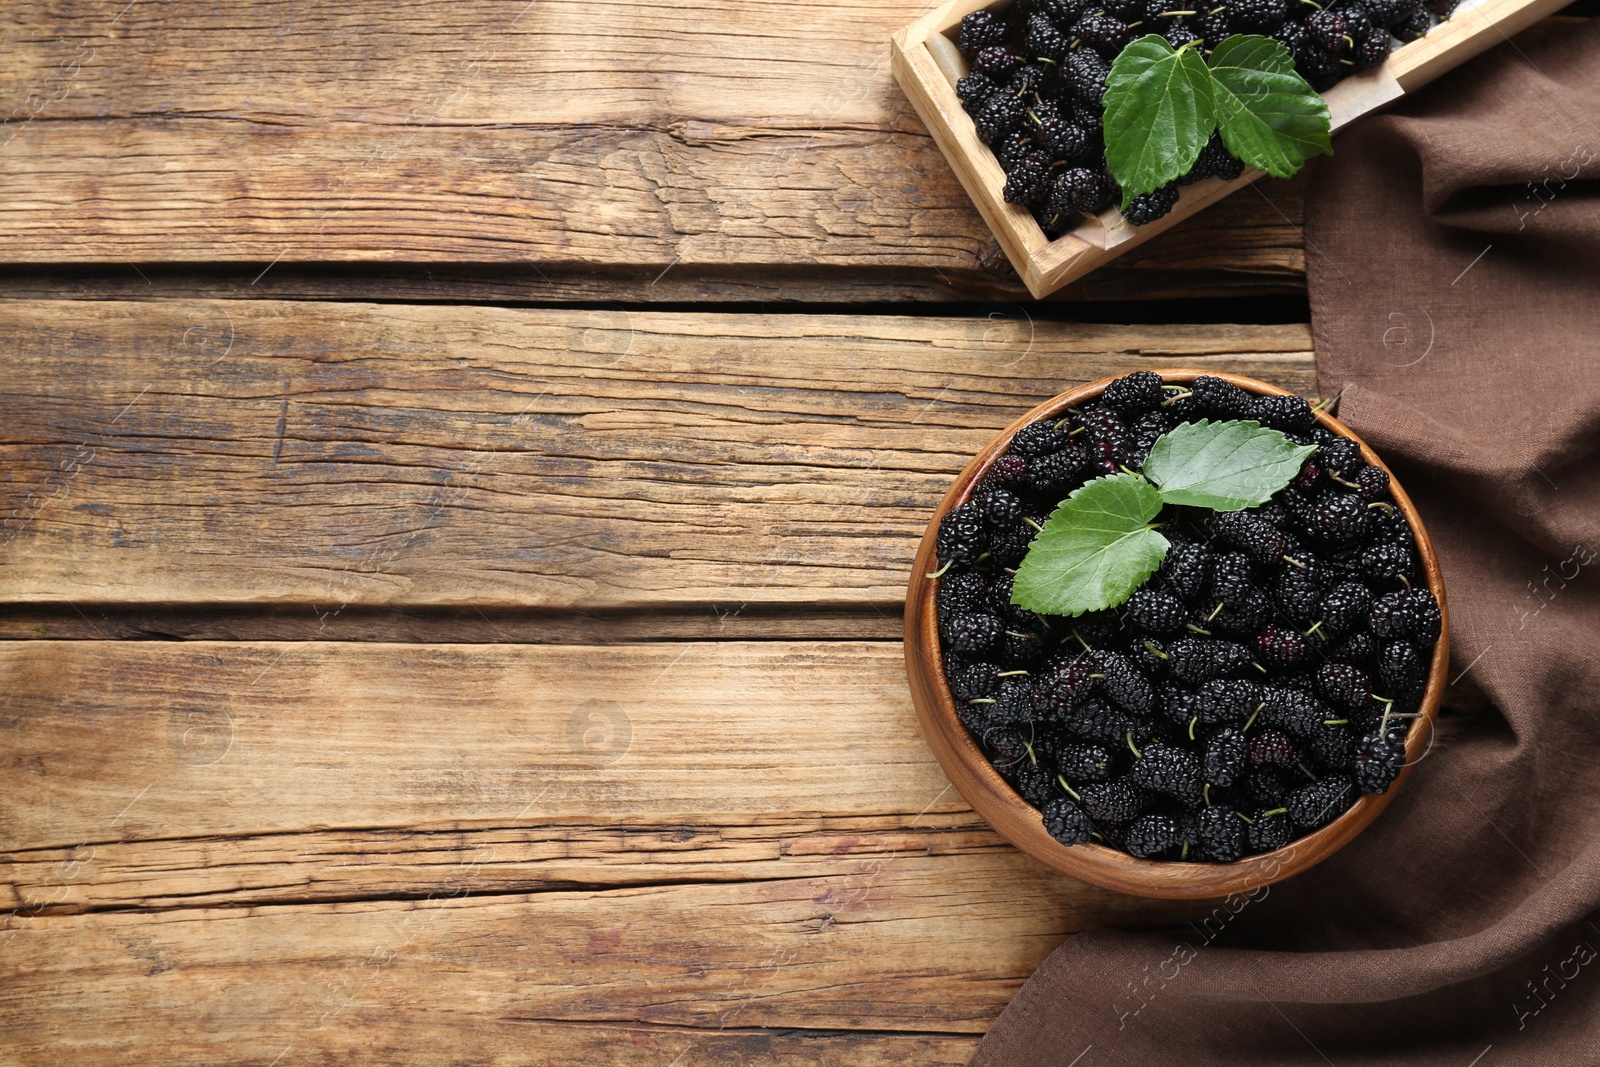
{"points": [[1019, 822]]}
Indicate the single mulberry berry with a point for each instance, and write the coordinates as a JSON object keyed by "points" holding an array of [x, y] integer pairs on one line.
{"points": [[1000, 114], [1333, 746], [1387, 12], [1016, 700], [971, 633], [1156, 612], [1387, 564], [1038, 439], [1078, 189], [1221, 833], [980, 30], [1213, 27], [1151, 835], [1126, 687], [962, 593], [1044, 40], [1096, 720], [1321, 802], [1215, 161], [1344, 686], [1257, 16], [963, 536], [1026, 182], [1337, 518], [1232, 577], [1414, 25], [973, 681], [1328, 30], [1373, 50], [1064, 12], [1134, 394], [1229, 700], [1030, 780], [1066, 821], [1219, 399], [1225, 755], [975, 90], [1115, 801], [1269, 831], [1379, 757], [1187, 569], [1143, 435], [1065, 140], [1014, 148], [1262, 543], [1264, 786], [1168, 769], [1066, 684], [1406, 613], [1085, 763], [1009, 472], [1197, 660], [997, 61], [1359, 648], [1101, 32], [1056, 475], [1344, 606], [1293, 710], [1179, 31], [1084, 73], [1399, 666], [1272, 748], [1008, 545], [1282, 648], [1372, 483], [1148, 207], [1288, 414]]}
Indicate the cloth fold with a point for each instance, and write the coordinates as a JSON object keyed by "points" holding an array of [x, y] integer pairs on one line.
{"points": [[1453, 252]]}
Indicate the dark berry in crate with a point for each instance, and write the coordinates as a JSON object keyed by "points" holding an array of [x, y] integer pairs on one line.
{"points": [[1257, 16], [1101, 32], [1148, 207], [1388, 12], [974, 90], [980, 30], [1079, 189], [1084, 73], [997, 61], [1001, 114], [1044, 40], [1372, 50], [1026, 181], [1329, 30], [1414, 25]]}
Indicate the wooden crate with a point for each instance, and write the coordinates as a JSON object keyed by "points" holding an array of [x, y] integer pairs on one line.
{"points": [[927, 64]]}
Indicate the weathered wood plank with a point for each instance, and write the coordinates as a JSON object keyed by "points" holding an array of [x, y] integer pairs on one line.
{"points": [[625, 135], [915, 943], [153, 740], [229, 452]]}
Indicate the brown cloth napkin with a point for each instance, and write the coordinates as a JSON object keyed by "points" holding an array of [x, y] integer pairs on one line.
{"points": [[1454, 256]]}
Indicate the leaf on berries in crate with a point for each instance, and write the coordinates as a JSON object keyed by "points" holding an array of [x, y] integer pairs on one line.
{"points": [[1094, 551], [1225, 466], [1159, 114], [1267, 113]]}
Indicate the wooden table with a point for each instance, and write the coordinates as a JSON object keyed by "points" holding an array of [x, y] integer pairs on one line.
{"points": [[460, 468]]}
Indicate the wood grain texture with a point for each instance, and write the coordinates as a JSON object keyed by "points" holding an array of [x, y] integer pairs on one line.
{"points": [[623, 135], [335, 456], [214, 852]]}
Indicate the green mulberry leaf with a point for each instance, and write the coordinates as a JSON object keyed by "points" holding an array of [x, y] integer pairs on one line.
{"points": [[1267, 113], [1160, 111], [1226, 466], [1095, 549]]}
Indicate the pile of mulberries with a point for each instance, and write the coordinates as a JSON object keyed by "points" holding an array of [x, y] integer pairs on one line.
{"points": [[1038, 75], [1256, 684]]}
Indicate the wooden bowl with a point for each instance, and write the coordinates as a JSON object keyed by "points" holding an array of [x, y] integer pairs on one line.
{"points": [[1018, 822]]}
